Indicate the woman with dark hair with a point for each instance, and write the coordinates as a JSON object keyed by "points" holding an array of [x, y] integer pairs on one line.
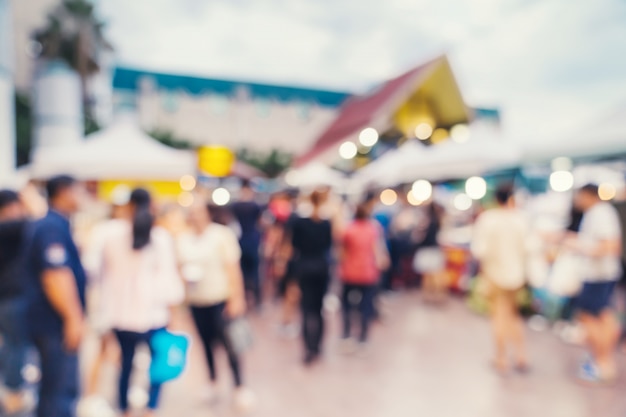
{"points": [[209, 256], [363, 257], [140, 284], [311, 239]]}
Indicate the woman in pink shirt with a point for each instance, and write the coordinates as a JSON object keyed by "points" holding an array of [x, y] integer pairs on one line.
{"points": [[364, 256]]}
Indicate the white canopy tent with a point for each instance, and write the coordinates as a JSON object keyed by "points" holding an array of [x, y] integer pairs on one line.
{"points": [[448, 160], [122, 151], [315, 174]]}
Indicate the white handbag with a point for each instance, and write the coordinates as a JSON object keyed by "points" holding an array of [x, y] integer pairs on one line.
{"points": [[566, 277]]}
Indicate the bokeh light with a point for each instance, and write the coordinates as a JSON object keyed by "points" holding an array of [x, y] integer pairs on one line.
{"points": [[368, 137], [439, 135], [221, 196], [423, 131], [348, 150], [460, 133], [476, 188], [388, 197], [561, 181], [422, 190], [187, 183], [462, 202], [607, 191], [185, 199], [291, 178], [414, 201]]}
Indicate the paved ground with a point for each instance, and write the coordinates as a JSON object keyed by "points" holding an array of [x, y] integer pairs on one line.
{"points": [[422, 361]]}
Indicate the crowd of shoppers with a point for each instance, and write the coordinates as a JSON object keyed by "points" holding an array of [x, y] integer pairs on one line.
{"points": [[139, 271]]}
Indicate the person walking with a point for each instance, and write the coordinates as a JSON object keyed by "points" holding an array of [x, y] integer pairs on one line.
{"points": [[140, 284], [363, 257], [430, 260], [599, 242], [13, 223], [55, 281], [311, 239], [499, 243], [209, 256], [248, 213]]}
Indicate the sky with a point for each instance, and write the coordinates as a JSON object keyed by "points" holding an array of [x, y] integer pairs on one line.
{"points": [[550, 66]]}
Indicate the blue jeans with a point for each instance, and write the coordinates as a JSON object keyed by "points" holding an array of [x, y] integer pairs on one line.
{"points": [[13, 354], [128, 343], [59, 390], [361, 297]]}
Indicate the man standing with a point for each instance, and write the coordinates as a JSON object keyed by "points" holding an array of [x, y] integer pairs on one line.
{"points": [[56, 299], [248, 214], [599, 241], [12, 303], [499, 243]]}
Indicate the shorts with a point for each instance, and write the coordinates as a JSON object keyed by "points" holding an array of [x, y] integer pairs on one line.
{"points": [[429, 261], [595, 297]]}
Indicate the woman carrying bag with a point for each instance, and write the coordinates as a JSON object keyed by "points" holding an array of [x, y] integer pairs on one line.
{"points": [[209, 255], [140, 284]]}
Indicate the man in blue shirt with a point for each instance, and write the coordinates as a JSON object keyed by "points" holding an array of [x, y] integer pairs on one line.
{"points": [[55, 282]]}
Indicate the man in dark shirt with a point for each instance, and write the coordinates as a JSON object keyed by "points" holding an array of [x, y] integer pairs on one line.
{"points": [[248, 214], [12, 304], [56, 298]]}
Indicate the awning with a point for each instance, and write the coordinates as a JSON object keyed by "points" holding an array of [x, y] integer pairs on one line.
{"points": [[392, 103]]}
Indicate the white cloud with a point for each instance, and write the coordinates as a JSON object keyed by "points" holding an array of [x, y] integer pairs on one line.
{"points": [[546, 62]]}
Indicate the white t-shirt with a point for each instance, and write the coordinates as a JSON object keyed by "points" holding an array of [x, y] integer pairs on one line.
{"points": [[499, 242], [203, 260], [601, 223]]}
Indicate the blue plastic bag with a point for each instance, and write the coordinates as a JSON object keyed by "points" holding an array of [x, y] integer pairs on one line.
{"points": [[170, 356]]}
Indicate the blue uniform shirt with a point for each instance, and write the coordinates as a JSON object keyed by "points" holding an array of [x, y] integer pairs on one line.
{"points": [[49, 245]]}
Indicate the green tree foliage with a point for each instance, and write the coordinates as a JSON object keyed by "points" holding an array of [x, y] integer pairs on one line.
{"points": [[167, 138], [23, 128], [74, 34], [271, 163]]}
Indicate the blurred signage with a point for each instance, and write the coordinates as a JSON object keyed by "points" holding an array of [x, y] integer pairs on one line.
{"points": [[216, 161]]}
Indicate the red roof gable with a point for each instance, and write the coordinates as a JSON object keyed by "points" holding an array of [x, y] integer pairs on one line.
{"points": [[359, 111]]}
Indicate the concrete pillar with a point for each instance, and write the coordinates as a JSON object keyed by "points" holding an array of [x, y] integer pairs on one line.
{"points": [[7, 96], [57, 105]]}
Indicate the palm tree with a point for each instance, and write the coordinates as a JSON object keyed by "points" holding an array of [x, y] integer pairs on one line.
{"points": [[74, 34]]}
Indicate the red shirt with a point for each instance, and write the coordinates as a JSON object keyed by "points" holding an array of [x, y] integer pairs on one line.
{"points": [[358, 265]]}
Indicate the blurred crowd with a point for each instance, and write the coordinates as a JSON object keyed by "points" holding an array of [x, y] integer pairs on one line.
{"points": [[125, 275]]}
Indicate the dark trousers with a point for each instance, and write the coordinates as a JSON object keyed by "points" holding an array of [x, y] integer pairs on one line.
{"points": [[128, 344], [211, 325], [15, 338], [250, 264], [58, 390], [360, 298], [313, 279]]}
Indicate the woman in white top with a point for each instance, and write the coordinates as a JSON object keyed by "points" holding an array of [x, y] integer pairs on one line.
{"points": [[499, 243], [209, 255], [140, 283]]}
